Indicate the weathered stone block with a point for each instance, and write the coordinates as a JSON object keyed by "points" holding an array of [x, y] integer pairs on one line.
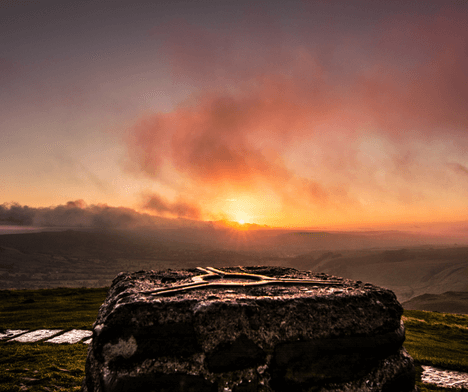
{"points": [[232, 330]]}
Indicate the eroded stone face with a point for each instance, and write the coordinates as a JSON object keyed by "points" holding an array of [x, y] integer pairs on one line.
{"points": [[198, 330]]}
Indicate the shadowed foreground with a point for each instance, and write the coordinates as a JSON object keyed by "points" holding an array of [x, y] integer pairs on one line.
{"points": [[431, 338], [247, 329]]}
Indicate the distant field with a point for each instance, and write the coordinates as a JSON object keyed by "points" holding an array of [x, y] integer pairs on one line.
{"points": [[431, 338]]}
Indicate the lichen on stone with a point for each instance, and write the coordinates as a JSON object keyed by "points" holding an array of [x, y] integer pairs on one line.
{"points": [[123, 348]]}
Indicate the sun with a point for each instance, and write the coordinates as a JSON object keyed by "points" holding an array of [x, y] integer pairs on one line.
{"points": [[241, 217], [241, 211]]}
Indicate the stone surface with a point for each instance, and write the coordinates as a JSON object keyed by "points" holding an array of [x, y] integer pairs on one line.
{"points": [[444, 378], [70, 337], [35, 336], [9, 333], [211, 330]]}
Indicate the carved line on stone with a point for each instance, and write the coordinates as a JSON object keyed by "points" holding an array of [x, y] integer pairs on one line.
{"points": [[214, 279]]}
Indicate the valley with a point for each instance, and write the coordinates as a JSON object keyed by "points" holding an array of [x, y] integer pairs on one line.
{"points": [[411, 267]]}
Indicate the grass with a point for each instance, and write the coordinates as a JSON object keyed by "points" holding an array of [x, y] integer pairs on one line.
{"points": [[46, 366], [437, 339], [432, 338], [41, 367], [52, 308]]}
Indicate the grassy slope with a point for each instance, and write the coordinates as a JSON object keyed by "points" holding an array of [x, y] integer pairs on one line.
{"points": [[437, 339], [431, 338]]}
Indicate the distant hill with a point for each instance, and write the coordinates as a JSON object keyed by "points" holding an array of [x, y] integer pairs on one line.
{"points": [[409, 272], [84, 258], [295, 243], [448, 302]]}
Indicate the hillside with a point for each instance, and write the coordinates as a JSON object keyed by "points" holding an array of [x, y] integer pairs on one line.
{"points": [[449, 302], [409, 272], [81, 258], [75, 258]]}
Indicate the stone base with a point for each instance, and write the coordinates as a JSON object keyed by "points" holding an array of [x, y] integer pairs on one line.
{"points": [[194, 330]]}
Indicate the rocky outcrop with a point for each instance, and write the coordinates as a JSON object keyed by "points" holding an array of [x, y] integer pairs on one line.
{"points": [[247, 329]]}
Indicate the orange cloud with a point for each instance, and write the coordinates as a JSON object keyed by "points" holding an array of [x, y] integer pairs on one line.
{"points": [[425, 86], [179, 208], [322, 129], [229, 142]]}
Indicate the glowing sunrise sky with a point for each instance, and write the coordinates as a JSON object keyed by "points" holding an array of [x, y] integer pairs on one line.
{"points": [[284, 113]]}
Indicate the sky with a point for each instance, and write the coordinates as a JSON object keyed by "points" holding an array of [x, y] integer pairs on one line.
{"points": [[317, 114]]}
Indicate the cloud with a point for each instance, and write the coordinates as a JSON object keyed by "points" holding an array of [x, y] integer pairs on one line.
{"points": [[291, 115], [16, 214], [458, 168], [202, 55], [179, 208], [213, 141], [410, 75], [78, 214], [424, 87]]}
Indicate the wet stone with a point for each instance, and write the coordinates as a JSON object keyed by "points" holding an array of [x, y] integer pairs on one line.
{"points": [[247, 329]]}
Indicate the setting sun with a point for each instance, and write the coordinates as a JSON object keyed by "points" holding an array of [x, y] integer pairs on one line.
{"points": [[243, 209], [208, 129], [242, 217]]}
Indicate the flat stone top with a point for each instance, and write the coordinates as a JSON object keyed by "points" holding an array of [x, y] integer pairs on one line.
{"points": [[236, 324], [240, 284], [266, 304]]}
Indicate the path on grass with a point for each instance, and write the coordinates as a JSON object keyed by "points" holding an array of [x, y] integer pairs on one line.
{"points": [[444, 378], [431, 375], [52, 336]]}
